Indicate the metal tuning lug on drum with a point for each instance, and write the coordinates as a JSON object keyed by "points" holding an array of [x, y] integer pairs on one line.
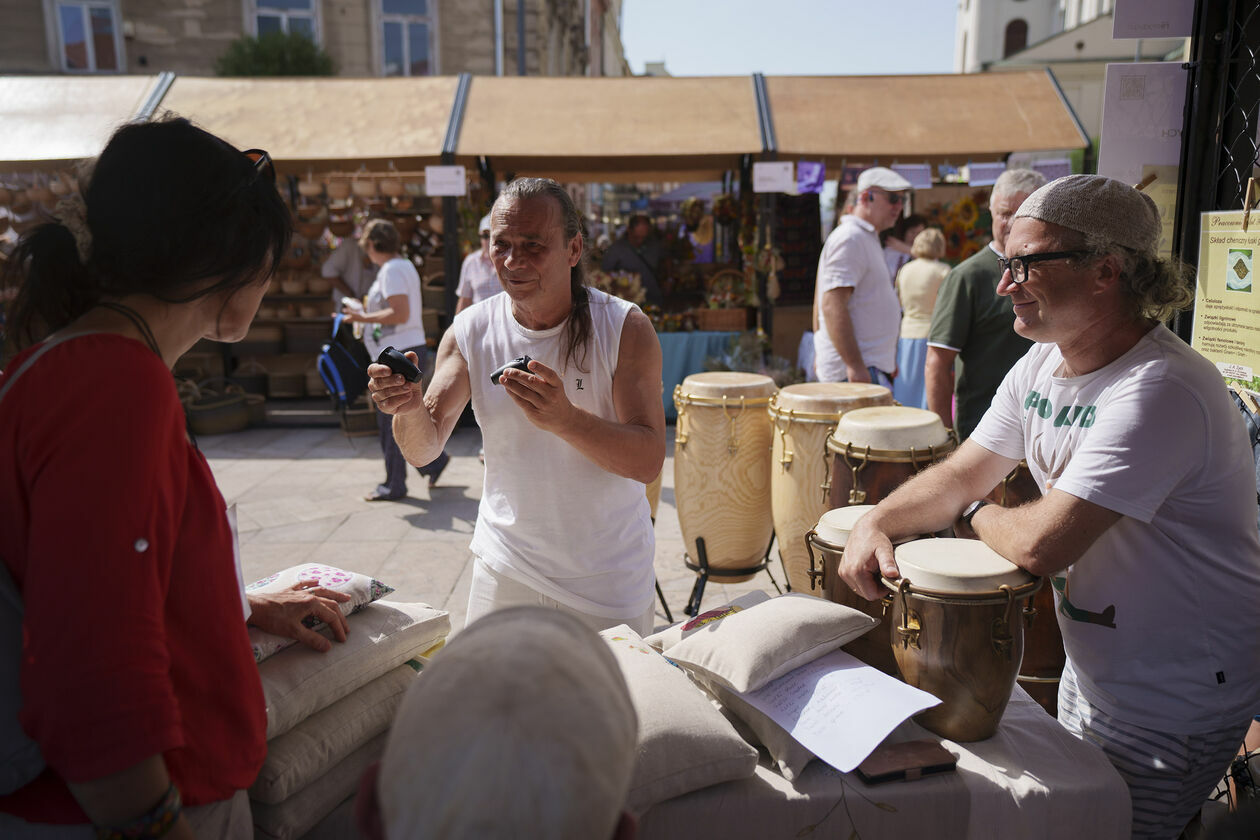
{"points": [[817, 574], [680, 407], [911, 625], [1003, 642], [857, 496], [732, 443], [826, 459], [785, 461], [1030, 612]]}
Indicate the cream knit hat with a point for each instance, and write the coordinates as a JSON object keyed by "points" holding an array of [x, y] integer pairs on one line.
{"points": [[1095, 205]]}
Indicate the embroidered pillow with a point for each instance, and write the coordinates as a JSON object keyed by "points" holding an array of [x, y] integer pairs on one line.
{"points": [[675, 633], [362, 590]]}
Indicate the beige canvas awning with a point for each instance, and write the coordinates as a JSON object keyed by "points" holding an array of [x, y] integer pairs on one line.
{"points": [[46, 121], [956, 118], [611, 129], [324, 123]]}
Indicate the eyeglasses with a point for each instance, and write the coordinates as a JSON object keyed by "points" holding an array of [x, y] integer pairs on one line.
{"points": [[894, 198], [1018, 266], [262, 163], [485, 234]]}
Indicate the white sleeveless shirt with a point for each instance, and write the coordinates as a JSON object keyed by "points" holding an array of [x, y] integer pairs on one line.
{"points": [[549, 517]]}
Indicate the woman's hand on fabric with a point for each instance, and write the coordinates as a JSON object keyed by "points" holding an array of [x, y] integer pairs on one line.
{"points": [[540, 394], [282, 613]]}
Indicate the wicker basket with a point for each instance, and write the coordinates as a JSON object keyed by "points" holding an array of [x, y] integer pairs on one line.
{"points": [[213, 407], [722, 320], [359, 422]]}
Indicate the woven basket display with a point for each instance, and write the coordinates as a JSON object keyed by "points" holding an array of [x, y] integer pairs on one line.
{"points": [[722, 320]]}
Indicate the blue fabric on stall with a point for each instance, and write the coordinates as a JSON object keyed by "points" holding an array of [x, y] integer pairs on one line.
{"points": [[682, 354]]}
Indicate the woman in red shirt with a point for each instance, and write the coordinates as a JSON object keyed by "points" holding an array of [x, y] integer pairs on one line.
{"points": [[137, 680]]}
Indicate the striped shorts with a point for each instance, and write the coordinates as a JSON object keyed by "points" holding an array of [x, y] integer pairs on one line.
{"points": [[1169, 776]]}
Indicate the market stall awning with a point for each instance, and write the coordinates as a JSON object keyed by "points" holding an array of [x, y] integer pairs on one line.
{"points": [[324, 123], [611, 129], [889, 119], [50, 120]]}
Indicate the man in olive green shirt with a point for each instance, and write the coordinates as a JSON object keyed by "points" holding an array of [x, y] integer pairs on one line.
{"points": [[972, 324]]}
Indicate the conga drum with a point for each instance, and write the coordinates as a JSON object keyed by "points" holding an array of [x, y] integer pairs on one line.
{"points": [[1043, 642], [824, 544], [722, 471], [958, 632], [873, 450], [653, 492], [803, 417]]}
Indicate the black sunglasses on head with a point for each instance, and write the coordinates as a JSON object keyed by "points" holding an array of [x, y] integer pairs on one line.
{"points": [[262, 163]]}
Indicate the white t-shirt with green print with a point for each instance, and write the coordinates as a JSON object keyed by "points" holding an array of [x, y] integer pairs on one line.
{"points": [[1161, 616]]}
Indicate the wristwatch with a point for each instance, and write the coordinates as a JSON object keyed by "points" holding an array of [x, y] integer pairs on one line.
{"points": [[969, 511]]}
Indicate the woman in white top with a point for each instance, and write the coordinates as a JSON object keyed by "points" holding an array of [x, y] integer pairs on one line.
{"points": [[917, 285], [393, 318]]}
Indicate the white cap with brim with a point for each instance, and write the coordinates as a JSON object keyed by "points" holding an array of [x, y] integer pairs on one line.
{"points": [[882, 177], [1098, 206], [484, 225]]}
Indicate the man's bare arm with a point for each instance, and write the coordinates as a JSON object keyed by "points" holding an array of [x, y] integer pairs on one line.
{"points": [[424, 419], [835, 314], [1044, 536], [938, 376]]}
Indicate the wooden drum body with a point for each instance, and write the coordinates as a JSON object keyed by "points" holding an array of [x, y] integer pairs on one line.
{"points": [[1044, 657], [958, 632], [722, 468], [874, 450], [803, 417], [824, 545]]}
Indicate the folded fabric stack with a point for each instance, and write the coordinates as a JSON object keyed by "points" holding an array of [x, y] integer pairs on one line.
{"points": [[685, 742], [328, 713]]}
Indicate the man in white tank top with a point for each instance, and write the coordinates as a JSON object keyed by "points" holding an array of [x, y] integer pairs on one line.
{"points": [[569, 443]]}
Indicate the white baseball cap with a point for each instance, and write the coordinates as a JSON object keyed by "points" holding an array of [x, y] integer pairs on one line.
{"points": [[484, 225], [882, 177]]}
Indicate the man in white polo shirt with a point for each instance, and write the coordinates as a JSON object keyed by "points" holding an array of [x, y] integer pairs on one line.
{"points": [[859, 314]]}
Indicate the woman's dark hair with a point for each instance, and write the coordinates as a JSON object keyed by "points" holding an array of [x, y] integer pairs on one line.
{"points": [[168, 207], [577, 331], [382, 235]]}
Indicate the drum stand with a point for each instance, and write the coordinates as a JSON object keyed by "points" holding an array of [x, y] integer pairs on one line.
{"points": [[704, 572]]}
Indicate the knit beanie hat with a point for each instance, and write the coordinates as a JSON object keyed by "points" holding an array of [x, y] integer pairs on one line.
{"points": [[1096, 205]]}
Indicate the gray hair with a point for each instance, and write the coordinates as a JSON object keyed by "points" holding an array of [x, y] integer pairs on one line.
{"points": [[1015, 181], [1158, 288]]}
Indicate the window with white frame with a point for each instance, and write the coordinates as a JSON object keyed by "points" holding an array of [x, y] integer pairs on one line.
{"points": [[406, 38], [88, 36], [292, 16]]}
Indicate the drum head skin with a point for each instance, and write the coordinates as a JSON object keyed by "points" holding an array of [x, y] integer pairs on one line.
{"points": [[836, 525], [830, 397], [954, 565], [728, 383], [891, 428]]}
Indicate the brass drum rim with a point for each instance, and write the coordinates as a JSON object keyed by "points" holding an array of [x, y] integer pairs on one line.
{"points": [[729, 401], [990, 596], [805, 416], [890, 456]]}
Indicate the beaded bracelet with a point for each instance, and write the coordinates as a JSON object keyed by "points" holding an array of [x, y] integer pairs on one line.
{"points": [[156, 823]]}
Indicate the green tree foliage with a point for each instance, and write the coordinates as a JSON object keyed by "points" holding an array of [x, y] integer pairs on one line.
{"points": [[274, 54]]}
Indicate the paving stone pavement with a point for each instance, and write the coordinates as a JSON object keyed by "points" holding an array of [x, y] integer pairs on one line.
{"points": [[299, 497]]}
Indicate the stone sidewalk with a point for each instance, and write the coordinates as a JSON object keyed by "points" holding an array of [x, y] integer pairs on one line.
{"points": [[299, 496]]}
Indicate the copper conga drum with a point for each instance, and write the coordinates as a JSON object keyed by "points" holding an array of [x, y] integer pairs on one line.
{"points": [[803, 416], [824, 544], [874, 450], [1043, 642], [722, 470], [958, 631]]}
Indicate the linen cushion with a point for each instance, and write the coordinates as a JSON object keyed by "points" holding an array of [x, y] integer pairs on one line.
{"points": [[665, 639], [749, 648], [684, 743], [761, 730]]}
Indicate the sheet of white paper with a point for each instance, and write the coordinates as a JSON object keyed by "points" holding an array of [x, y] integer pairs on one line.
{"points": [[838, 708]]}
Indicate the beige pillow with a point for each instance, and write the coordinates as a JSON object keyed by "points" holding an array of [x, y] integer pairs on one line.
{"points": [[684, 743], [786, 752], [298, 681], [675, 633], [309, 749], [748, 649], [304, 809]]}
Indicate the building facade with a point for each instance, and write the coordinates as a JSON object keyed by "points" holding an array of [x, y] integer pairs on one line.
{"points": [[364, 37]]}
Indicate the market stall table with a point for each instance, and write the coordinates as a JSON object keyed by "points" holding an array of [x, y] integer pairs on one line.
{"points": [[1032, 779], [682, 354]]}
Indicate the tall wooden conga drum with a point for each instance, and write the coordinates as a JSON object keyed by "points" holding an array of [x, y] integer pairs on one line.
{"points": [[1044, 656], [722, 470], [824, 545], [958, 631], [874, 450], [803, 417]]}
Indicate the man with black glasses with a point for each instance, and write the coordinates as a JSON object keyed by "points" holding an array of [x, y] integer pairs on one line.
{"points": [[1146, 526], [859, 314]]}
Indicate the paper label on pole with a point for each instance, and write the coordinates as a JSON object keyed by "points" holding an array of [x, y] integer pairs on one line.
{"points": [[1143, 109], [1226, 305], [445, 180], [774, 176], [1153, 19]]}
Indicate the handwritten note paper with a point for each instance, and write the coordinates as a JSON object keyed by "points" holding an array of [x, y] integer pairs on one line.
{"points": [[838, 708]]}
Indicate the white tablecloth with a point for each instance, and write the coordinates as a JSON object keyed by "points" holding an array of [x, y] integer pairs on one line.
{"points": [[1032, 779]]}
